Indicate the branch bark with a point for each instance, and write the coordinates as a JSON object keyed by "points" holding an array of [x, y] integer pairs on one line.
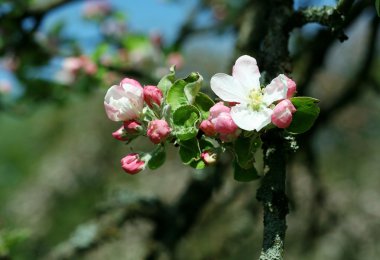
{"points": [[275, 59]]}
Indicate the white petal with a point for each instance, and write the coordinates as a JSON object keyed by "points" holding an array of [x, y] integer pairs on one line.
{"points": [[276, 90], [115, 92], [246, 72], [248, 119], [228, 88]]}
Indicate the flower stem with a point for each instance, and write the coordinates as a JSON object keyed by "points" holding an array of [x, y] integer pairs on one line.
{"points": [[272, 195]]}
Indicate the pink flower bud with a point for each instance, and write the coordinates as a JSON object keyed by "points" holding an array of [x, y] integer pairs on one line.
{"points": [[209, 157], [132, 163], [282, 114], [152, 95], [132, 127], [207, 127], [292, 87], [224, 124], [218, 108], [158, 131], [120, 134], [124, 102]]}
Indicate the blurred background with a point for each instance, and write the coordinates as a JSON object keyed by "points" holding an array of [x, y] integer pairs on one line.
{"points": [[63, 194]]}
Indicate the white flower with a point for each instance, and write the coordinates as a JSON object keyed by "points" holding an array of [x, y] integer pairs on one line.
{"points": [[254, 110], [125, 101]]}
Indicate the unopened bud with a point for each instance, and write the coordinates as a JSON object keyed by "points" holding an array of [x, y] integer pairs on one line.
{"points": [[132, 163], [158, 131], [209, 157], [207, 127], [152, 95], [120, 134], [282, 114]]}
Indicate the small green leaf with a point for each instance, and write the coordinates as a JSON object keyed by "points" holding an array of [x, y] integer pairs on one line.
{"points": [[184, 91], [245, 149], [305, 116], [189, 151], [158, 156], [185, 120], [203, 102], [377, 5], [167, 81], [199, 164], [245, 175]]}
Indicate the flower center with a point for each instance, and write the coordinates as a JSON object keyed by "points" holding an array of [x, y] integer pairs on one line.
{"points": [[256, 99]]}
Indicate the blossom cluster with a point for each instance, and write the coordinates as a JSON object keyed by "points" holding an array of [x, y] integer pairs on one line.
{"points": [[176, 112]]}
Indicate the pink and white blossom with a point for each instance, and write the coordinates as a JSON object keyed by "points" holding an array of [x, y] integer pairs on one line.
{"points": [[292, 88], [221, 120], [209, 157], [158, 131], [283, 114], [125, 101], [132, 163], [254, 109], [207, 127], [120, 134], [218, 108], [152, 95], [132, 127]]}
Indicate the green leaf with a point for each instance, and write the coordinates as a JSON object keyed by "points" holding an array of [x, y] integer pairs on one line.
{"points": [[189, 151], [167, 81], [377, 5], [184, 91], [185, 120], [158, 157], [203, 102], [199, 164], [207, 143], [305, 116], [245, 175], [245, 149]]}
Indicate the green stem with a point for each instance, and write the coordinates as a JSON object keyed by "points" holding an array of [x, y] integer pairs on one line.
{"points": [[272, 195]]}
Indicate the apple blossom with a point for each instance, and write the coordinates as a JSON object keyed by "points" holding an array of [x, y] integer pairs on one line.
{"points": [[152, 95], [120, 134], [132, 127], [209, 157], [224, 124], [132, 163], [125, 101], [254, 109], [207, 127], [282, 114], [158, 131], [217, 109], [221, 119], [292, 88]]}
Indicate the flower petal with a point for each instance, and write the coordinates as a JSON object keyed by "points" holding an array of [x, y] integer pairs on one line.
{"points": [[276, 90], [248, 119], [246, 72], [228, 88]]}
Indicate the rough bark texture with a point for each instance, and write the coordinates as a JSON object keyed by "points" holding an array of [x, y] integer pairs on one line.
{"points": [[272, 195], [275, 60]]}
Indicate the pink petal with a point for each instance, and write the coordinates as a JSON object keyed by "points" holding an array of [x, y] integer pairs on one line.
{"points": [[276, 90]]}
